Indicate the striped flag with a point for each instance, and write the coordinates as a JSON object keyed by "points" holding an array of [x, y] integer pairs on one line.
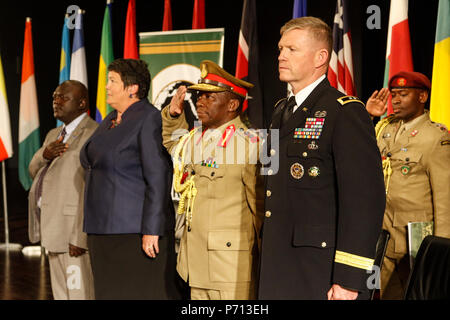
{"points": [[440, 85], [130, 48], [167, 21], [340, 71], [106, 57], [6, 150], [78, 69], [29, 139], [299, 8], [198, 17], [247, 62], [398, 50], [64, 64]]}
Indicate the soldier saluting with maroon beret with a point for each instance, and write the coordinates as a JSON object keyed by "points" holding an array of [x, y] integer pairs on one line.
{"points": [[416, 155]]}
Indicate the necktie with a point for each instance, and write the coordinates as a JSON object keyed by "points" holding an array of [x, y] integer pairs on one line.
{"points": [[44, 171], [63, 134], [288, 110]]}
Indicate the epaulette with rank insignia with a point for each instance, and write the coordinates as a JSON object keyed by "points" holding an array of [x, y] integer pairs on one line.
{"points": [[440, 126], [382, 124], [347, 99]]}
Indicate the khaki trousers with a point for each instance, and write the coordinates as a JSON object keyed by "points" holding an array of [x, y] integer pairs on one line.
{"points": [[244, 293], [71, 277], [394, 278]]}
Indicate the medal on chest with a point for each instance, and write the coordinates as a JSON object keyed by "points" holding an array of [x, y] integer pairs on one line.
{"points": [[297, 171], [312, 130]]}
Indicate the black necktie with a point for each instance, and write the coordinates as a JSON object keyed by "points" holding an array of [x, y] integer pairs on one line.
{"points": [[288, 110], [44, 171]]}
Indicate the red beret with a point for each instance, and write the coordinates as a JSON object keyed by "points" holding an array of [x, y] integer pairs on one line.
{"points": [[409, 79]]}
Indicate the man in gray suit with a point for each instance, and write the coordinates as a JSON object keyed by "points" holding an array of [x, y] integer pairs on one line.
{"points": [[55, 202]]}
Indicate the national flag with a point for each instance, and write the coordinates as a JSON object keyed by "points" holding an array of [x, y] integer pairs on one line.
{"points": [[167, 21], [130, 50], [247, 62], [78, 69], [340, 71], [29, 139], [299, 8], [64, 64], [398, 49], [440, 85], [198, 17], [6, 150], [106, 57]]}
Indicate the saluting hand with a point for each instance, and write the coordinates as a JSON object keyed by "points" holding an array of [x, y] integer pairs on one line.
{"points": [[376, 106], [150, 245], [177, 103], [55, 149]]}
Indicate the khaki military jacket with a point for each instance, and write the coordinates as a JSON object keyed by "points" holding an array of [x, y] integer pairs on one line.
{"points": [[220, 249], [419, 186]]}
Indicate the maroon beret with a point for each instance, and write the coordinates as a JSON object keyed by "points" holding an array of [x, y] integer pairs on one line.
{"points": [[409, 79]]}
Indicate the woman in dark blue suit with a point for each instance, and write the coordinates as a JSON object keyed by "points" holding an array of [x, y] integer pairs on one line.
{"points": [[128, 213]]}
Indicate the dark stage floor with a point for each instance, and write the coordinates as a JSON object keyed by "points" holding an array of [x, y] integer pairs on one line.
{"points": [[22, 277]]}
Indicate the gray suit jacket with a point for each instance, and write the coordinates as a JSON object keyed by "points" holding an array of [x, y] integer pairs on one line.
{"points": [[61, 219]]}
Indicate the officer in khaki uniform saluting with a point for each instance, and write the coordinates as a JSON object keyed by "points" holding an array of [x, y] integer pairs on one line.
{"points": [[416, 157], [217, 175]]}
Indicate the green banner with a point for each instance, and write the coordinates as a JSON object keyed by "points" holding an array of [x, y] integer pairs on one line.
{"points": [[174, 58]]}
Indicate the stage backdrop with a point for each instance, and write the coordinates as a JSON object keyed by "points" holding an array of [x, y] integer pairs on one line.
{"points": [[174, 58]]}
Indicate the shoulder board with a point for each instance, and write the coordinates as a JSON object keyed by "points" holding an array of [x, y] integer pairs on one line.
{"points": [[347, 99], [440, 126], [445, 143], [278, 102], [382, 124]]}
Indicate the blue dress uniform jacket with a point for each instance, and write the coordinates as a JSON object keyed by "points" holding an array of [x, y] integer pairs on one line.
{"points": [[128, 175], [324, 206]]}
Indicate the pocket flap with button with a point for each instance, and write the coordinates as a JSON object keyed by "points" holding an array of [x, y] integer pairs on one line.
{"points": [[228, 240], [211, 173], [314, 236], [401, 218], [410, 157]]}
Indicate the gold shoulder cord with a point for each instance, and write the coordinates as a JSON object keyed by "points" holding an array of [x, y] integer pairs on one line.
{"points": [[187, 189], [387, 168]]}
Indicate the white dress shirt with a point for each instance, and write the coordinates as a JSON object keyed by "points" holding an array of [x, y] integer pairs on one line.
{"points": [[301, 96]]}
